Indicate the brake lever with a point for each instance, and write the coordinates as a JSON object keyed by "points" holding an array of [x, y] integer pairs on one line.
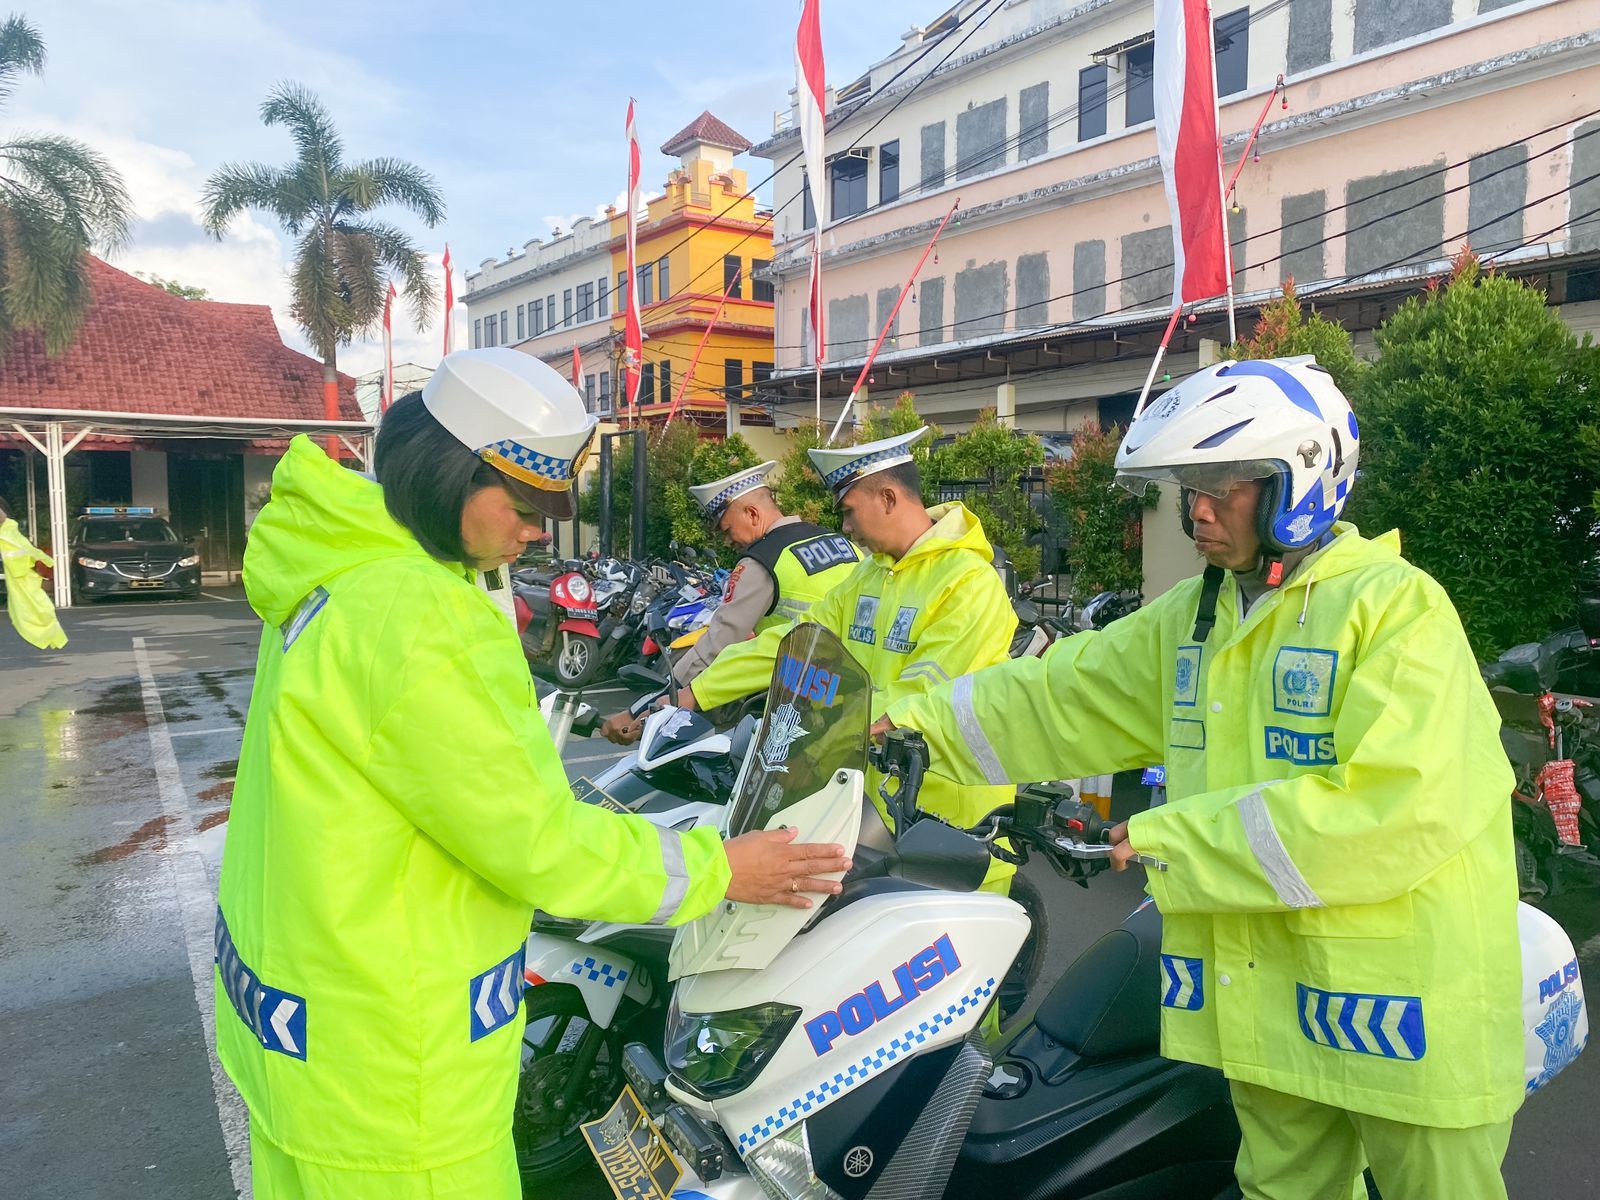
{"points": [[1097, 851]]}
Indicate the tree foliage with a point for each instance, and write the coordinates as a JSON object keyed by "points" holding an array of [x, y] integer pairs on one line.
{"points": [[998, 457], [1283, 330], [713, 459], [800, 491], [1104, 524], [1480, 442], [344, 256], [173, 288], [58, 200]]}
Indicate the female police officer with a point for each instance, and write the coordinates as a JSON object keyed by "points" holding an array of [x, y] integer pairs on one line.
{"points": [[400, 809]]}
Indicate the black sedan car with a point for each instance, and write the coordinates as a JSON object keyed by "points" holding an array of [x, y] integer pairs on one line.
{"points": [[128, 551]]}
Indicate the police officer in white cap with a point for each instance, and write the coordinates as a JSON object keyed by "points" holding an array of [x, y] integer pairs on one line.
{"points": [[785, 565], [400, 811]]}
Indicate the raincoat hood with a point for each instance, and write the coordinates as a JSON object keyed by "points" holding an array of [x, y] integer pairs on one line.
{"points": [[322, 520], [954, 528]]}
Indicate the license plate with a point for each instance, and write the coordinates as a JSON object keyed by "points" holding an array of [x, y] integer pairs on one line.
{"points": [[632, 1154], [147, 583], [585, 790]]}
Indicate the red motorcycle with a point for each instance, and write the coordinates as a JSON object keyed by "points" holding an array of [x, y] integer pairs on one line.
{"points": [[558, 619]]}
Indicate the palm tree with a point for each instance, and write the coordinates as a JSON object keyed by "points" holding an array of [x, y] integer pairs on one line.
{"points": [[344, 258], [58, 199]]}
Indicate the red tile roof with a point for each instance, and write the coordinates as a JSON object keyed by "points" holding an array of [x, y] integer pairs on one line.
{"points": [[706, 128], [144, 350]]}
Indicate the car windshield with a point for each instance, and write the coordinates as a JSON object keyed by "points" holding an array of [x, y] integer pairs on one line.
{"points": [[136, 530], [818, 711]]}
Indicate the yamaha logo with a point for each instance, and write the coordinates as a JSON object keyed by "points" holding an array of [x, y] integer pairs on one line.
{"points": [[857, 1161]]}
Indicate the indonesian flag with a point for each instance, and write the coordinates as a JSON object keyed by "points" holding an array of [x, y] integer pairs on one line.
{"points": [[1189, 141], [810, 89], [386, 398], [577, 369], [449, 297], [633, 329]]}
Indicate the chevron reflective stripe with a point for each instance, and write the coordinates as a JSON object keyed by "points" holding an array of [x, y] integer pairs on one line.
{"points": [[977, 741], [927, 668], [1183, 983], [677, 876], [309, 607], [1271, 854], [276, 1018], [1363, 1023], [495, 996]]}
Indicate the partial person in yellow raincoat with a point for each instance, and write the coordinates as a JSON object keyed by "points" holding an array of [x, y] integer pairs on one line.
{"points": [[32, 613], [400, 809], [1339, 912]]}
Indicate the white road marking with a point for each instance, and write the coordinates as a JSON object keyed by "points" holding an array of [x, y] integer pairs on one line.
{"points": [[197, 905], [205, 732], [598, 757], [224, 599]]}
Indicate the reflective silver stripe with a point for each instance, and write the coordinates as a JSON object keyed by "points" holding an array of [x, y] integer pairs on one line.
{"points": [[790, 610], [677, 876], [925, 666], [972, 731], [1270, 852]]}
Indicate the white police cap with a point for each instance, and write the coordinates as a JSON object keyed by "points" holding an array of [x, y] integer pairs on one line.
{"points": [[517, 414], [714, 498], [843, 468]]}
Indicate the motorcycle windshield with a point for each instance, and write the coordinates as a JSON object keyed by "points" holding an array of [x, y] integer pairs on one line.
{"points": [[819, 709]]}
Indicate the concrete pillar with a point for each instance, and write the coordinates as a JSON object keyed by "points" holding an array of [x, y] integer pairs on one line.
{"points": [[1005, 404], [33, 497]]}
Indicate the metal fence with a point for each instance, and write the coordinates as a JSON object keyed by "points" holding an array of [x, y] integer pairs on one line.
{"points": [[1053, 586]]}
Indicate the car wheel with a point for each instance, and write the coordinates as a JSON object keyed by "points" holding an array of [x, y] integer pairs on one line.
{"points": [[577, 660]]}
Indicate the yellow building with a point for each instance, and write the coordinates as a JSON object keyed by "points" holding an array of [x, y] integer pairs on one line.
{"points": [[701, 237]]}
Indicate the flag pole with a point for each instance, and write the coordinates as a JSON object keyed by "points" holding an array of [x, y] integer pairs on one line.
{"points": [[1161, 352], [888, 324], [449, 296]]}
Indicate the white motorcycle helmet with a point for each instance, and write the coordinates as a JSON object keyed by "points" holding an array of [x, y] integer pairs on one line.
{"points": [[1555, 1020], [517, 414], [1281, 420]]}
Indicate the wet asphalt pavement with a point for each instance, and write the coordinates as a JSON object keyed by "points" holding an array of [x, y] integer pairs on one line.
{"points": [[117, 758]]}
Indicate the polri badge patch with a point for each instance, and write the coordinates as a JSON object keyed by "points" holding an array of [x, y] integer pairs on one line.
{"points": [[864, 626], [1302, 681], [1186, 676], [898, 638]]}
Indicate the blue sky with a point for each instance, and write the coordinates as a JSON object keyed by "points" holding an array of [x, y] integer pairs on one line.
{"points": [[516, 108]]}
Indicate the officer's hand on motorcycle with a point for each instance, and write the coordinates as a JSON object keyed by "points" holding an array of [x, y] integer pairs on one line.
{"points": [[1123, 853], [880, 728], [767, 867], [623, 728]]}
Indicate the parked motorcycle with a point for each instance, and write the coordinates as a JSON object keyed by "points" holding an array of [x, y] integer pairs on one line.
{"points": [[561, 626], [783, 1076]]}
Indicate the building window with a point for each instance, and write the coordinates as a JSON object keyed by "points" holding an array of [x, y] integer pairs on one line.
{"points": [[647, 382], [505, 326], [585, 301], [760, 289], [808, 218], [1231, 32], [550, 311], [1141, 95], [566, 307], [622, 291], [1092, 102], [663, 280], [889, 172], [604, 297], [664, 375], [536, 317], [760, 373], [521, 329], [488, 330], [732, 376], [647, 284], [588, 392], [730, 276], [605, 392], [477, 333], [848, 180]]}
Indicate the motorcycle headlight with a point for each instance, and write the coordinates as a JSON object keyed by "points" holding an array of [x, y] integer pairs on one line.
{"points": [[192, 561], [578, 589], [94, 564], [718, 1053], [641, 600], [782, 1165]]}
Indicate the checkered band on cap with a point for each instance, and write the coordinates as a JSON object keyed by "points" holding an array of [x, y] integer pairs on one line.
{"points": [[856, 468], [726, 496], [541, 470]]}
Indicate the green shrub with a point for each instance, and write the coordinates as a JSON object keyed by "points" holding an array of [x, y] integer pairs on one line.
{"points": [[1104, 523]]}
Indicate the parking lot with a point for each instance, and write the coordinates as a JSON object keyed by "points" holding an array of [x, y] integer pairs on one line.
{"points": [[117, 761]]}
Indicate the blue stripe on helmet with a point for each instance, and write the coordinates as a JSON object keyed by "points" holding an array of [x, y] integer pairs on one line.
{"points": [[1290, 386]]}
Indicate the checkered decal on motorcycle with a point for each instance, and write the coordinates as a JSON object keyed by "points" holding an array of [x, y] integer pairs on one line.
{"points": [[602, 972], [860, 1072]]}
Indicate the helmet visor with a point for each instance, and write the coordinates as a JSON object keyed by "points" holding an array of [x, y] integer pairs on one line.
{"points": [[1214, 479]]}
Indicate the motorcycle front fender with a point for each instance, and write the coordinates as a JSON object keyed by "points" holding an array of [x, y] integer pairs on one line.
{"points": [[602, 977], [587, 628]]}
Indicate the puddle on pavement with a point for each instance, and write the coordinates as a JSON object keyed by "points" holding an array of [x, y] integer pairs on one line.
{"points": [[217, 793], [225, 769], [152, 835]]}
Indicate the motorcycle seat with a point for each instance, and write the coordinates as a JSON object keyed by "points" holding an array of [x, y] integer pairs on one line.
{"points": [[1106, 1003]]}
